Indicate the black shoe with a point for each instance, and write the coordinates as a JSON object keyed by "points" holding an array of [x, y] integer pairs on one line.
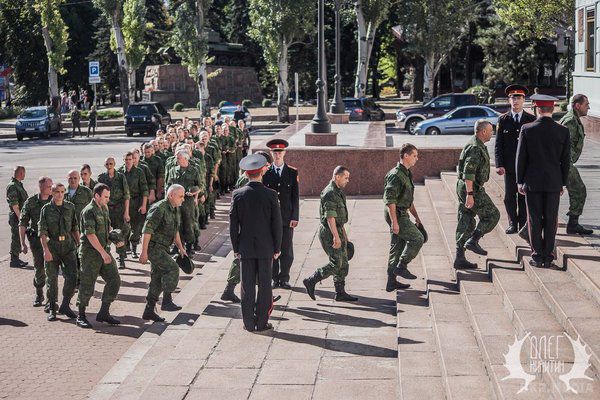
{"points": [[536, 264], [65, 310], [189, 249], [203, 226], [549, 264], [265, 328], [461, 262], [393, 284], [134, 253], [285, 285], [104, 315], [167, 303], [311, 282], [82, 322], [150, 315], [197, 246], [512, 229], [402, 270], [52, 312], [573, 227], [39, 297], [16, 262], [121, 262], [275, 284], [340, 293], [473, 245], [229, 294]]}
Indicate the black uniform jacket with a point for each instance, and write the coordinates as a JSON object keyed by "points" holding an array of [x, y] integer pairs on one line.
{"points": [[543, 156], [255, 221], [507, 138], [287, 189]]}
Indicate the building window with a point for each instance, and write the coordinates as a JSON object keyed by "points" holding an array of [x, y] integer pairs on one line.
{"points": [[590, 47]]}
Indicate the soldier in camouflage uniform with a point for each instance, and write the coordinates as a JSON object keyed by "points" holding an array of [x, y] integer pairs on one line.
{"points": [[16, 196], [214, 150], [575, 186], [160, 231], [30, 216], [138, 200], [473, 172], [406, 239], [59, 236], [80, 196], [210, 167], [150, 179], [118, 205], [199, 155], [86, 177], [157, 167], [333, 214], [96, 259]]}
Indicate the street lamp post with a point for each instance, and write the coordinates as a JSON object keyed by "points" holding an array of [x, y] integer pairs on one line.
{"points": [[320, 122], [337, 105]]}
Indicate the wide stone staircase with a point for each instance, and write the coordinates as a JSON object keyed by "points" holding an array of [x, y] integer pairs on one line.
{"points": [[506, 330]]}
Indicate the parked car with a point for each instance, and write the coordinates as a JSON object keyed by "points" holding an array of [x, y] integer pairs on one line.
{"points": [[38, 121], [408, 117], [146, 117], [363, 109], [457, 122], [230, 111]]}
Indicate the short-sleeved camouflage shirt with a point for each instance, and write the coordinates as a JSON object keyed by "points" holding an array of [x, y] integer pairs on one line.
{"points": [[333, 204]]}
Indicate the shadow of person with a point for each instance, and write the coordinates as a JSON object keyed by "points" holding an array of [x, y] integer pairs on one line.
{"points": [[12, 322], [335, 318]]}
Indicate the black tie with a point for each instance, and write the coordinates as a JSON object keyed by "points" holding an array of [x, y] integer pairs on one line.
{"points": [[516, 118], [278, 169]]}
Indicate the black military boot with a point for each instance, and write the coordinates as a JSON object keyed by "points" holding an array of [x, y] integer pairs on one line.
{"points": [[212, 214], [460, 262], [197, 246], [134, 253], [52, 312], [39, 297], [402, 270], [189, 249], [15, 262], [167, 303], [473, 244], [121, 261], [150, 314], [65, 309], [311, 282], [340, 293], [82, 321], [393, 284], [573, 227], [229, 294], [104, 315], [512, 229]]}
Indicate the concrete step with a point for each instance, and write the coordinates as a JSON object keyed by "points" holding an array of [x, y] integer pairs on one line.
{"points": [[462, 368], [535, 304], [574, 253]]}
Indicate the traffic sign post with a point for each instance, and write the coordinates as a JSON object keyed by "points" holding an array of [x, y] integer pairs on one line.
{"points": [[94, 77]]}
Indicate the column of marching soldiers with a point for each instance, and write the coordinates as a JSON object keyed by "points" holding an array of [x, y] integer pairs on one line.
{"points": [[195, 163]]}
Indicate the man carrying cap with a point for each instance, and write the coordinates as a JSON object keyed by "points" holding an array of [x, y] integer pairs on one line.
{"points": [[543, 161], [507, 135], [284, 180], [255, 231]]}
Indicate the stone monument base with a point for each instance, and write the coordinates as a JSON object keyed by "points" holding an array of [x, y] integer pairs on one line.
{"points": [[339, 118], [320, 139]]}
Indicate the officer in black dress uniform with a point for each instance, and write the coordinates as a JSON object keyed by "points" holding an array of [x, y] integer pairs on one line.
{"points": [[255, 232], [284, 180], [507, 136], [543, 157]]}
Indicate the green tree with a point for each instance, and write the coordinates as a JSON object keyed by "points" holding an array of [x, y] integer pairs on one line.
{"points": [[134, 29], [276, 25], [109, 66], [534, 18], [55, 34]]}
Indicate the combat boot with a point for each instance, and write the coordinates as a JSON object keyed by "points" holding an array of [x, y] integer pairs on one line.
{"points": [[189, 249], [39, 297], [460, 262], [82, 321], [150, 314], [473, 244], [52, 312], [65, 309], [229, 294], [573, 227], [121, 261], [311, 282], [15, 262], [340, 293], [104, 315], [402, 270], [134, 253], [167, 303], [393, 284], [197, 246]]}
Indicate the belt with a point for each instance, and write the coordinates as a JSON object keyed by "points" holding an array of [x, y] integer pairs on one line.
{"points": [[60, 238]]}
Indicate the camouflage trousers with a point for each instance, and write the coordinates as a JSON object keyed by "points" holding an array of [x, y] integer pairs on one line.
{"points": [[118, 222], [484, 208], [404, 246], [577, 192], [188, 220], [37, 251], [164, 272], [93, 266], [234, 272], [338, 258], [15, 240], [137, 220], [64, 257]]}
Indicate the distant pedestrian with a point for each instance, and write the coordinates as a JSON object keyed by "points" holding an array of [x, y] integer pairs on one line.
{"points": [[76, 121], [64, 103], [92, 116]]}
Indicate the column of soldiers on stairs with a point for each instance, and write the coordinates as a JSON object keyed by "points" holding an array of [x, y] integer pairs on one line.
{"points": [[162, 196]]}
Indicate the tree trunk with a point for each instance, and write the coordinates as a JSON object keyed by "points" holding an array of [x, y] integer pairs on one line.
{"points": [[121, 61], [283, 87], [416, 93], [433, 63], [203, 93], [52, 74], [132, 84], [366, 35]]}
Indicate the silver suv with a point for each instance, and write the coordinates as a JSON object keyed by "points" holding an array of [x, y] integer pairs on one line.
{"points": [[38, 121]]}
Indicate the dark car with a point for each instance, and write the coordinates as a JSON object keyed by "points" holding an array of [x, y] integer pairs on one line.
{"points": [[147, 117], [38, 121], [363, 109]]}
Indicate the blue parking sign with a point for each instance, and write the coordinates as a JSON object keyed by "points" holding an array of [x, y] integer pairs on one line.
{"points": [[94, 69]]}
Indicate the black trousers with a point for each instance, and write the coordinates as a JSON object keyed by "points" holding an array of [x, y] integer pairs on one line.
{"points": [[514, 201], [282, 266], [256, 307], [542, 208]]}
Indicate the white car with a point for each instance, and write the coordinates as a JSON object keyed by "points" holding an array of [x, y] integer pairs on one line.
{"points": [[231, 110]]}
